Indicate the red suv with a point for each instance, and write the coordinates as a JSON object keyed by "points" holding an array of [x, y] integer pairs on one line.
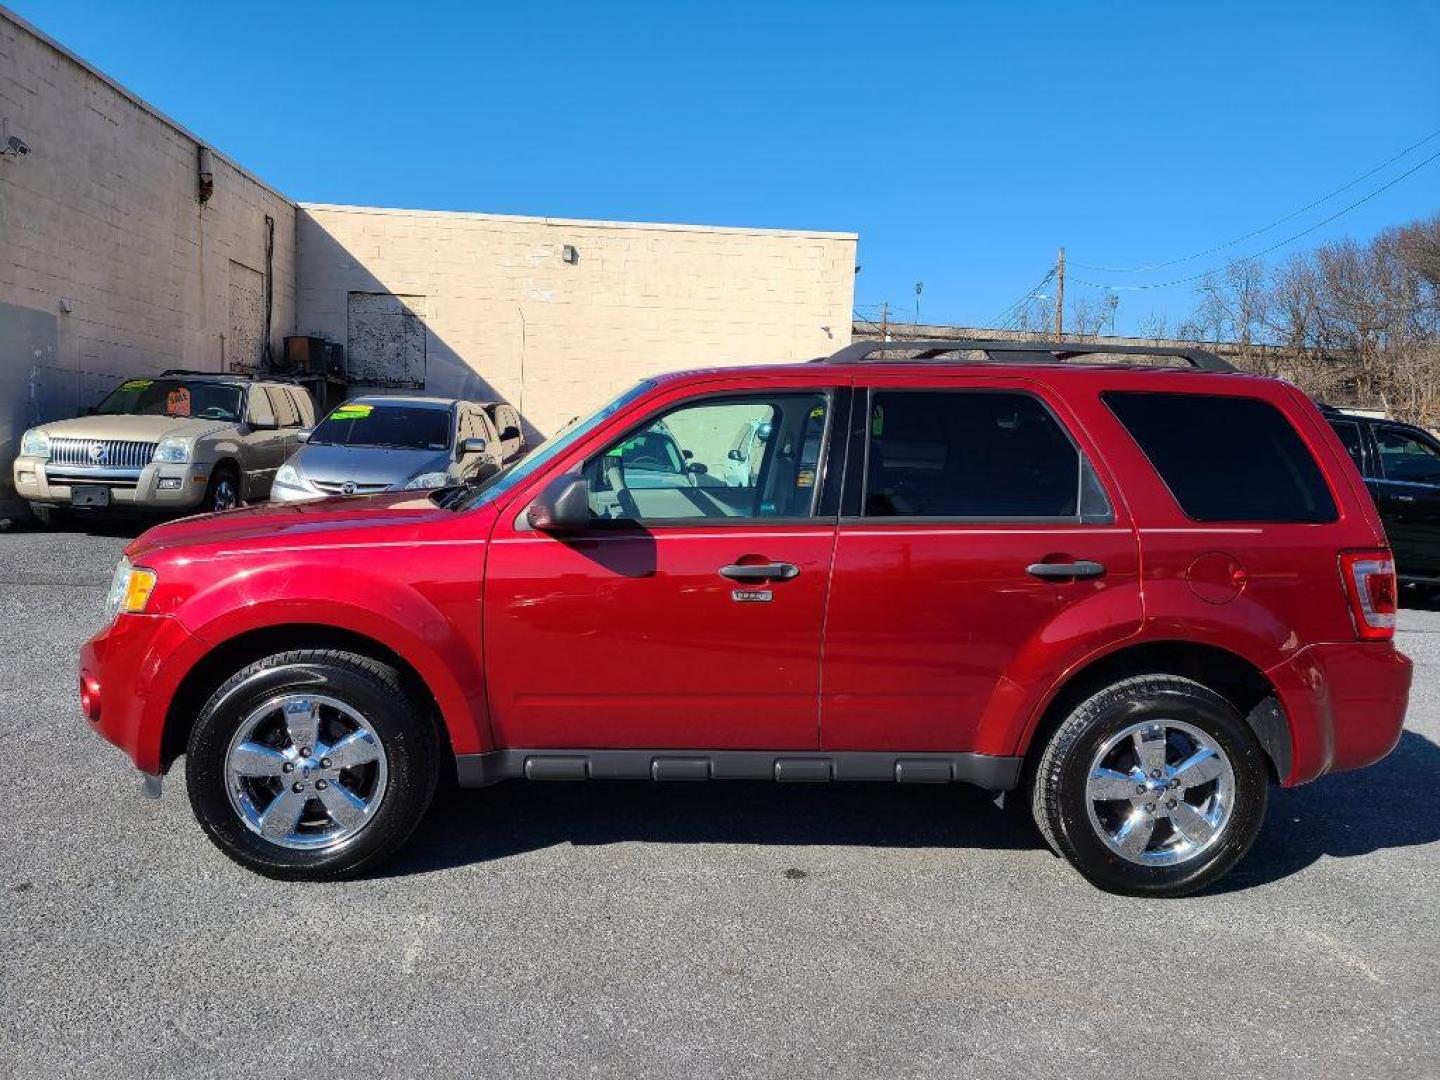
{"points": [[1133, 593]]}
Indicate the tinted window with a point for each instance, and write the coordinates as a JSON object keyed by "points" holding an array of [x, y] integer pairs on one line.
{"points": [[968, 454], [1226, 458], [683, 464], [1407, 456], [404, 427], [1349, 433], [174, 397]]}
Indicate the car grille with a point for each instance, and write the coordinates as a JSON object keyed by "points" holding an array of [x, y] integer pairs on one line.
{"points": [[113, 454], [337, 487]]}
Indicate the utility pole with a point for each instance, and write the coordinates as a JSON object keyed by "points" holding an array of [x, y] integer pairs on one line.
{"points": [[1060, 295], [885, 321], [919, 288]]}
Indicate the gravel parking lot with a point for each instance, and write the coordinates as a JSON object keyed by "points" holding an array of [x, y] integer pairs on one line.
{"points": [[720, 930]]}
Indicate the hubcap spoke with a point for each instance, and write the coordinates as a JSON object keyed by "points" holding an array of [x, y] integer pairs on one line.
{"points": [[1134, 835], [1191, 823], [1150, 748], [281, 816], [345, 806], [357, 748], [252, 759], [1199, 768], [1111, 785], [302, 720]]}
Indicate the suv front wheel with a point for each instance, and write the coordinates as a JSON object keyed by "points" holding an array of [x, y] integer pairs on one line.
{"points": [[1154, 786], [311, 765]]}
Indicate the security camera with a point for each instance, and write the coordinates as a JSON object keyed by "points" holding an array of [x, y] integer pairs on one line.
{"points": [[17, 146]]}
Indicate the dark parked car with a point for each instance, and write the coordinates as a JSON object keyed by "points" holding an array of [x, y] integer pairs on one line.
{"points": [[1401, 467]]}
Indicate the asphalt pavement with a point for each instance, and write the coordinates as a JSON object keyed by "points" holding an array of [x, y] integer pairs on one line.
{"points": [[686, 930]]}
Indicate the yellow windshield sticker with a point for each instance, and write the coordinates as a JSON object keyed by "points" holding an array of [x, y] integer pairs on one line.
{"points": [[352, 412], [137, 384]]}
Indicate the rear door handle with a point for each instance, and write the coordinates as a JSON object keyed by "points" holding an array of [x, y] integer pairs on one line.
{"points": [[1084, 568], [775, 571]]}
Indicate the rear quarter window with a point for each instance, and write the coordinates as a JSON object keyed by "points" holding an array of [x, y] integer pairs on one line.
{"points": [[1226, 458]]}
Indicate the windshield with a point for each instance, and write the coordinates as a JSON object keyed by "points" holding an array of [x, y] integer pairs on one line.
{"points": [[505, 480], [405, 427], [199, 398]]}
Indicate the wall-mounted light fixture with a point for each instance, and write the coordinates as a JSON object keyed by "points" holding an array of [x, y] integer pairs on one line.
{"points": [[570, 254], [15, 147]]}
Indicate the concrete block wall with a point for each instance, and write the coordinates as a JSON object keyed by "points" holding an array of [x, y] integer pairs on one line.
{"points": [[102, 218], [506, 315]]}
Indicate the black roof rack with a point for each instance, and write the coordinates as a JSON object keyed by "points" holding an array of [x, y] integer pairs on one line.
{"points": [[251, 375], [1012, 352]]}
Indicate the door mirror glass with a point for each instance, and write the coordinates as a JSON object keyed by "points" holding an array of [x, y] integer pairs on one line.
{"points": [[564, 506], [471, 446]]}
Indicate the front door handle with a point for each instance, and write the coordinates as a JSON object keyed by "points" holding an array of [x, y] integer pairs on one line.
{"points": [[775, 571], [1084, 568]]}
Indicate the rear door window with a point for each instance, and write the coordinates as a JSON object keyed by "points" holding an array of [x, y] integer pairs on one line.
{"points": [[1226, 458], [978, 455], [1350, 436]]}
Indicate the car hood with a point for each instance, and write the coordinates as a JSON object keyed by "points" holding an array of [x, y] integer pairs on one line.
{"points": [[286, 523], [366, 464], [133, 428]]}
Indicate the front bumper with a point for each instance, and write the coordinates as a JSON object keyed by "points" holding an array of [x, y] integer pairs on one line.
{"points": [[1346, 705], [183, 485], [129, 673]]}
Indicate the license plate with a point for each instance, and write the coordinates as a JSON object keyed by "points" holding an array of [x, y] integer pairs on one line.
{"points": [[89, 495]]}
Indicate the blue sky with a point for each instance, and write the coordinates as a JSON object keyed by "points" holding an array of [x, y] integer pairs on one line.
{"points": [[964, 143]]}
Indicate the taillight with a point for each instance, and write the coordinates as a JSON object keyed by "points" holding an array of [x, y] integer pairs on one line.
{"points": [[1374, 596]]}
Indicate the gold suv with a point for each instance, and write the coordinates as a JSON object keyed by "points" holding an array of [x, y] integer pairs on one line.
{"points": [[181, 440]]}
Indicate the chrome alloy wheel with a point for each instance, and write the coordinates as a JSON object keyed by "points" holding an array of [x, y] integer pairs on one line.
{"points": [[305, 771], [227, 494], [1160, 792]]}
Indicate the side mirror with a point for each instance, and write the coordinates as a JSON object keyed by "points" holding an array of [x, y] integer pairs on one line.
{"points": [[303, 435], [735, 455], [564, 505], [471, 446], [697, 467], [511, 432]]}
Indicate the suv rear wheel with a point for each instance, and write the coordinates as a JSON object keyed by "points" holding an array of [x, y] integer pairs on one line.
{"points": [[1154, 786], [311, 765]]}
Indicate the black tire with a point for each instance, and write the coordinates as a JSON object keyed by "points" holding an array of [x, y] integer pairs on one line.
{"points": [[406, 733], [47, 517], [223, 491], [1059, 799]]}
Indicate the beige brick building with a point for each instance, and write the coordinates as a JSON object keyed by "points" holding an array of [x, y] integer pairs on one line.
{"points": [[112, 264]]}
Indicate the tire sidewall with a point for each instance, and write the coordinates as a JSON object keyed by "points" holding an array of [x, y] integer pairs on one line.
{"points": [[1107, 869], [224, 472], [410, 762]]}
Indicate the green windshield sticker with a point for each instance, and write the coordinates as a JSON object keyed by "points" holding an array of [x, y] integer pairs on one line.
{"points": [[137, 384], [352, 412]]}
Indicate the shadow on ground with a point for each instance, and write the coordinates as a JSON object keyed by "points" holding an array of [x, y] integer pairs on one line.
{"points": [[1340, 816], [467, 826]]}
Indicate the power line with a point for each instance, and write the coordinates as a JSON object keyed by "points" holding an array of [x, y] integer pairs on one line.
{"points": [[1264, 229], [1273, 247], [1013, 310]]}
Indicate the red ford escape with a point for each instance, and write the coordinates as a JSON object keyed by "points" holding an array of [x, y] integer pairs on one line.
{"points": [[1134, 587]]}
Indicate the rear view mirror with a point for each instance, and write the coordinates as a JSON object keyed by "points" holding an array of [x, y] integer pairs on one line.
{"points": [[564, 505]]}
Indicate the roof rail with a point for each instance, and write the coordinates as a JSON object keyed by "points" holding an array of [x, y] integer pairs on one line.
{"points": [[207, 374], [1012, 352]]}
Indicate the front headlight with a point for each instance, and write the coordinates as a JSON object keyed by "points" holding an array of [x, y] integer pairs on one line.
{"points": [[130, 589], [172, 451], [35, 443], [289, 476], [428, 480]]}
